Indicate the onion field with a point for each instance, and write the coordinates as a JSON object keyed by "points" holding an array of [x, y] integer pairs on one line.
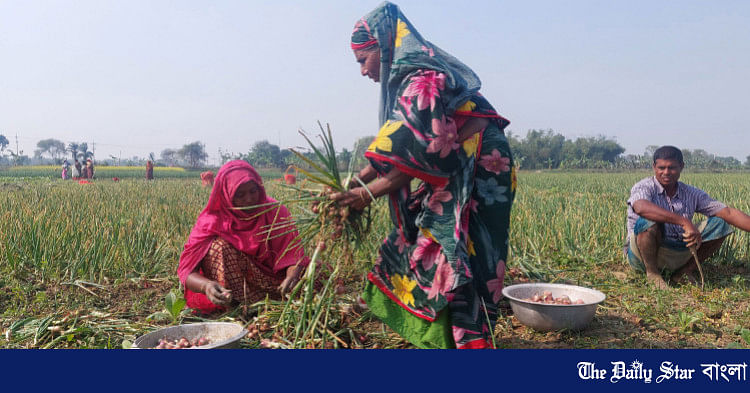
{"points": [[90, 265]]}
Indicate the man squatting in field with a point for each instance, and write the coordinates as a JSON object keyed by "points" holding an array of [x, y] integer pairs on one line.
{"points": [[660, 227]]}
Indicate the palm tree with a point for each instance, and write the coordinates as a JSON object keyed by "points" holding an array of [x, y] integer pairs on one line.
{"points": [[73, 149], [83, 151]]}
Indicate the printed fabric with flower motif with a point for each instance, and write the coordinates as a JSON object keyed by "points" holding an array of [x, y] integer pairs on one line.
{"points": [[495, 286], [456, 268], [495, 162], [383, 141], [450, 232], [402, 288]]}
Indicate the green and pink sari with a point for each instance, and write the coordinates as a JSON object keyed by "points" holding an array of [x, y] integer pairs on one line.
{"points": [[439, 274]]}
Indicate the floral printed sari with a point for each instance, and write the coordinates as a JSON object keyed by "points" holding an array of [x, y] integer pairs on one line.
{"points": [[444, 261]]}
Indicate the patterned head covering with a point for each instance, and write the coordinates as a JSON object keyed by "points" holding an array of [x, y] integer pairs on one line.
{"points": [[362, 37], [402, 51]]}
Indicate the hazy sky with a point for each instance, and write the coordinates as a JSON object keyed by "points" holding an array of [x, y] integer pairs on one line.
{"points": [[136, 77]]}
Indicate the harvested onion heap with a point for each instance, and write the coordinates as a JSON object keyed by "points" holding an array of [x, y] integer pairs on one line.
{"points": [[333, 219], [547, 298], [182, 343]]}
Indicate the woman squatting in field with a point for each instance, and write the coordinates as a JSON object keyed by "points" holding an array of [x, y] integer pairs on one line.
{"points": [[439, 274], [229, 255]]}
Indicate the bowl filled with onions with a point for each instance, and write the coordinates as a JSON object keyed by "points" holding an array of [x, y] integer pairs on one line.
{"points": [[203, 335], [547, 307]]}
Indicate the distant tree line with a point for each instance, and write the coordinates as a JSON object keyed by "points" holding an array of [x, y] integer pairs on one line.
{"points": [[539, 149], [192, 155], [264, 154], [545, 149], [53, 152]]}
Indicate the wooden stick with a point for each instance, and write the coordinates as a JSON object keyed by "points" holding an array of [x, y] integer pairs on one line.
{"points": [[697, 263]]}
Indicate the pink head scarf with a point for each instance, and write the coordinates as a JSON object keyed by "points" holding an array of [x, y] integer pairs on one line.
{"points": [[207, 178], [240, 228]]}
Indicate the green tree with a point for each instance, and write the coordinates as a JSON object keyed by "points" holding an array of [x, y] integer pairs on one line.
{"points": [[51, 147], [598, 149], [194, 153], [545, 149], [83, 152], [728, 162], [169, 157], [539, 149], [3, 143], [265, 155], [73, 150], [701, 159]]}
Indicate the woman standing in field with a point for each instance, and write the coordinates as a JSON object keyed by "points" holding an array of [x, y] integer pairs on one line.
{"points": [[439, 274], [89, 170], [76, 170], [229, 254], [149, 170], [65, 170]]}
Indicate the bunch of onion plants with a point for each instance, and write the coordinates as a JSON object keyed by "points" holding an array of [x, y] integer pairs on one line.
{"points": [[310, 316]]}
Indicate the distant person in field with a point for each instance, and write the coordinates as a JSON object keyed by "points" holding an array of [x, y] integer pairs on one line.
{"points": [[229, 255], [76, 170], [65, 170], [207, 179], [149, 170], [89, 169], [660, 226]]}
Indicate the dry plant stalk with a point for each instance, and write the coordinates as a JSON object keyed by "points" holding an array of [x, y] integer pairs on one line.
{"points": [[697, 263]]}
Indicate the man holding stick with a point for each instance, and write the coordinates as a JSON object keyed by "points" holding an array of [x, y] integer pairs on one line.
{"points": [[661, 232]]}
